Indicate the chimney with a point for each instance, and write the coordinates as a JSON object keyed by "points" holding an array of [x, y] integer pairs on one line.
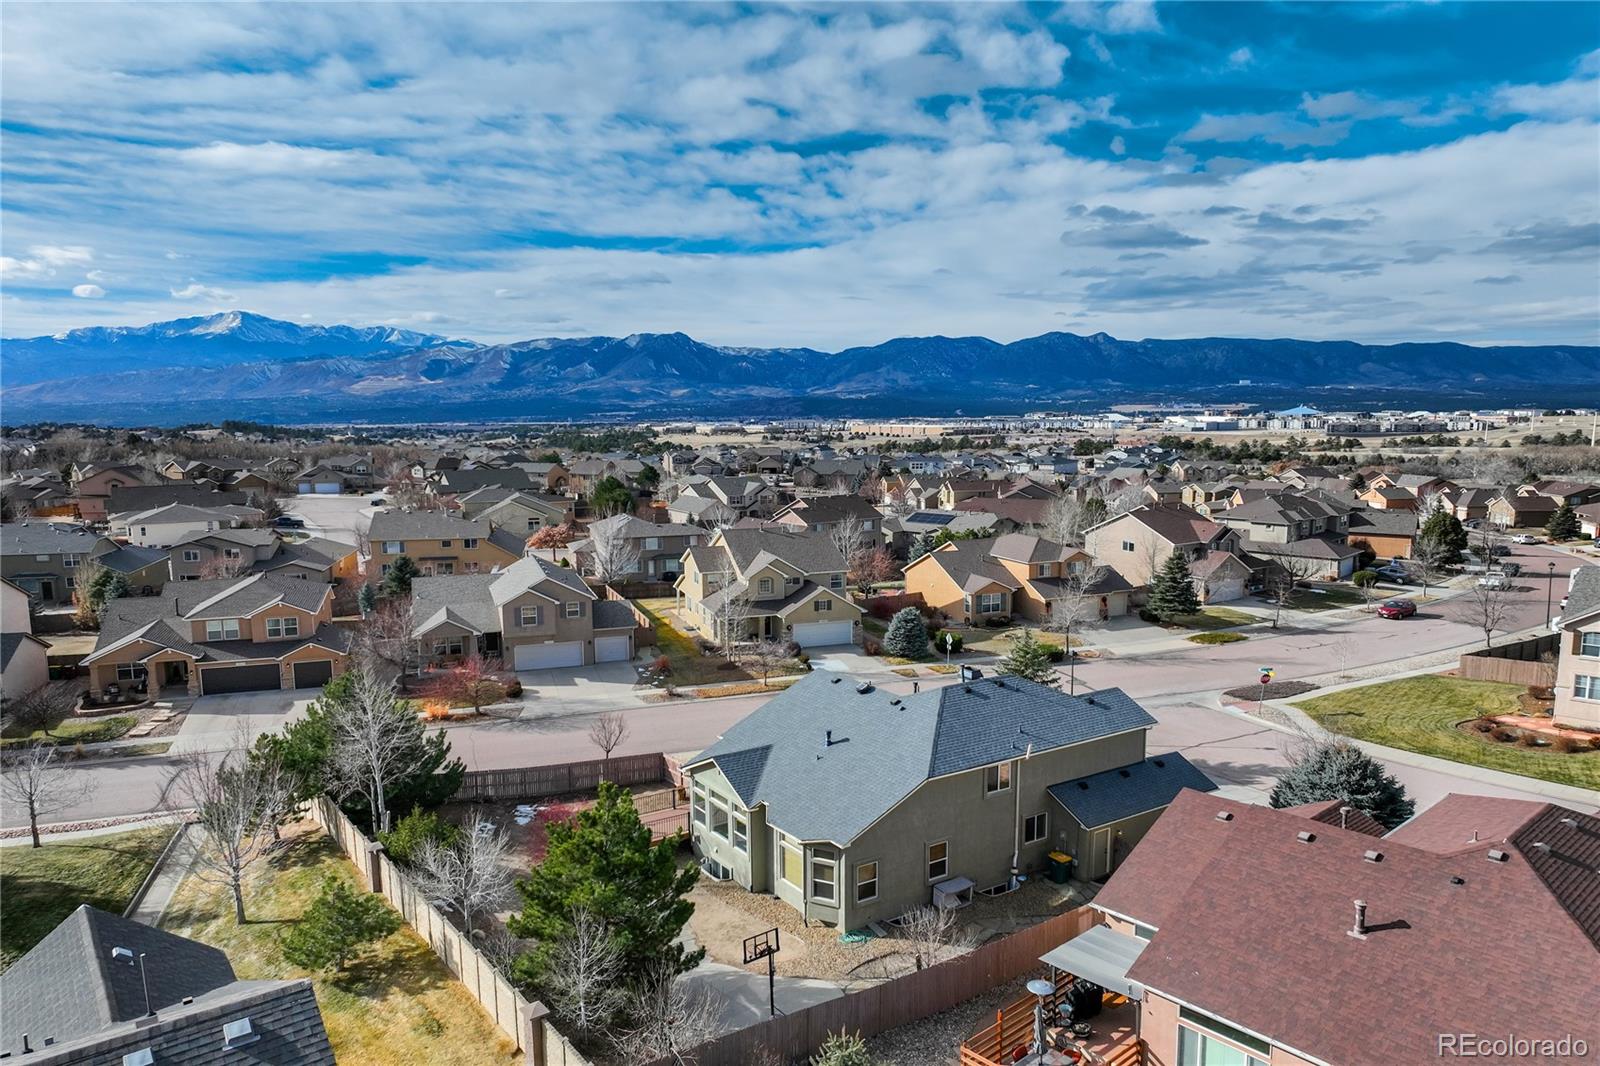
{"points": [[1344, 816], [1359, 930]]}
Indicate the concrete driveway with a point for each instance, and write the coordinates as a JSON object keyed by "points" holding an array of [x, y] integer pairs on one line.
{"points": [[341, 518], [581, 689], [215, 723]]}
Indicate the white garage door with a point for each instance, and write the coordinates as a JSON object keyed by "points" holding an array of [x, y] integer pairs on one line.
{"points": [[546, 656], [818, 634], [612, 649]]}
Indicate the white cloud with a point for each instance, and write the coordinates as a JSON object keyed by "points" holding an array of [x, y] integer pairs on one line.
{"points": [[43, 260], [1118, 145], [1240, 57], [88, 292], [97, 275], [271, 157], [196, 291]]}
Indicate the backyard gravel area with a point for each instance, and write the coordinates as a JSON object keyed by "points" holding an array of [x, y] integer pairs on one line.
{"points": [[936, 1040]]}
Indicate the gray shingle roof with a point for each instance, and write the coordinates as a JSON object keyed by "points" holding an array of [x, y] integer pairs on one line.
{"points": [[130, 558], [425, 525], [612, 614], [1583, 597], [884, 745], [475, 599], [45, 538], [810, 553], [1112, 795]]}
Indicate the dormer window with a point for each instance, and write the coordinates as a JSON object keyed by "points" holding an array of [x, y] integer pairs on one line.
{"points": [[765, 586]]}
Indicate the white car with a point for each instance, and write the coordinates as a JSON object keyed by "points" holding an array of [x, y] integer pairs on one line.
{"points": [[1524, 538], [1494, 581]]}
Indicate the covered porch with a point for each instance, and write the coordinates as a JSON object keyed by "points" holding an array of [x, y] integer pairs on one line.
{"points": [[1077, 1028]]}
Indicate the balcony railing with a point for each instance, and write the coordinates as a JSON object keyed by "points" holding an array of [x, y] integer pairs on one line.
{"points": [[1006, 1040]]}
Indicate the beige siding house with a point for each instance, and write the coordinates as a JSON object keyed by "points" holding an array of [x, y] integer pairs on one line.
{"points": [[768, 583]]}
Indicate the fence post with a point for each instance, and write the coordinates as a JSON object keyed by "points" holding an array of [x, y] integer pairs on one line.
{"points": [[373, 870], [533, 1033]]}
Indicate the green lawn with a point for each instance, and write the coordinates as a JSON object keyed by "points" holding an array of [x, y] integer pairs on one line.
{"points": [[689, 667], [1216, 638], [1322, 597], [72, 731], [397, 1003], [41, 886], [988, 641], [1420, 714], [1215, 618]]}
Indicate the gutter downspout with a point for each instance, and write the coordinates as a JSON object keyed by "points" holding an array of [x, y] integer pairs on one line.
{"points": [[1016, 814]]}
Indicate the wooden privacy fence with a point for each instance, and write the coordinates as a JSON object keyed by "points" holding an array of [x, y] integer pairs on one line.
{"points": [[514, 1014], [533, 782], [1522, 662], [901, 1001]]}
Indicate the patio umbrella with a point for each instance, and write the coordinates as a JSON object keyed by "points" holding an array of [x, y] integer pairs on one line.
{"points": [[1040, 988]]}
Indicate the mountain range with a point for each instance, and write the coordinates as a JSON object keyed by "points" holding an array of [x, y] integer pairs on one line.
{"points": [[263, 367]]}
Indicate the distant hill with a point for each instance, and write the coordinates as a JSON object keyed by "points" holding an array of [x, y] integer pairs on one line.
{"points": [[219, 340], [277, 369]]}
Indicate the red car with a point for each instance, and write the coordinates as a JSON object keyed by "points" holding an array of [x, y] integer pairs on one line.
{"points": [[1397, 609]]}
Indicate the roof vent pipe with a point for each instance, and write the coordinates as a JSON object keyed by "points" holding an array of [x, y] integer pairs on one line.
{"points": [[1344, 816], [1359, 930]]}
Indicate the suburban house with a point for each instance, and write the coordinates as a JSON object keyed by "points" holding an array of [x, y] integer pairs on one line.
{"points": [[954, 490], [441, 543], [853, 804], [1510, 510], [131, 499], [1571, 493], [584, 474], [1015, 509], [533, 614], [515, 509], [37, 494], [146, 570], [1014, 575], [459, 482], [1577, 687], [100, 989], [1255, 936], [834, 475], [707, 511], [336, 474], [1387, 534], [743, 495], [1470, 504], [1418, 485], [661, 546], [45, 559], [24, 658], [241, 634], [162, 527], [1388, 497], [768, 583], [902, 530], [824, 514], [1309, 529], [93, 484], [228, 552], [1137, 544]]}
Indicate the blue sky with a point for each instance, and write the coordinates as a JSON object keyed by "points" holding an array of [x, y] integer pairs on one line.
{"points": [[824, 176]]}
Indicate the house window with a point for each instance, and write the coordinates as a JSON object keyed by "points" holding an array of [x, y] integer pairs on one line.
{"points": [[282, 627], [652, 543], [823, 604], [1589, 644], [1043, 570], [222, 629], [697, 803], [528, 616], [836, 581], [72, 582], [533, 524], [1197, 1048], [469, 543], [938, 861], [824, 877], [997, 778], [1127, 545], [741, 831], [866, 882], [1035, 828], [791, 863], [191, 556], [719, 816], [445, 568], [991, 602], [452, 646], [444, 544], [765, 586], [71, 561], [573, 609], [394, 547], [130, 672], [1586, 687]]}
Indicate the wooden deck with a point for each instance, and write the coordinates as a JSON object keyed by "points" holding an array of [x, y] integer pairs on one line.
{"points": [[1113, 1042]]}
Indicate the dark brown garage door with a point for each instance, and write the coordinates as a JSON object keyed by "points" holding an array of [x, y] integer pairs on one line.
{"points": [[217, 679], [313, 674]]}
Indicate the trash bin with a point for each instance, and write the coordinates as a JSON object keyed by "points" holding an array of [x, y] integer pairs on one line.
{"points": [[1060, 867]]}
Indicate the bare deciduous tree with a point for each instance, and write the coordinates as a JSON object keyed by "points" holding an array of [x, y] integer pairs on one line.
{"points": [[608, 731], [1065, 519], [239, 804], [848, 535], [374, 740], [584, 976], [730, 617], [611, 555], [42, 708], [1287, 574], [766, 656], [221, 566], [1121, 499], [385, 644], [1485, 607], [1429, 559], [935, 934], [39, 780], [1076, 609], [670, 1019], [473, 876]]}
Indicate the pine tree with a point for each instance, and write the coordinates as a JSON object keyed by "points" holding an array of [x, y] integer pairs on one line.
{"points": [[907, 637], [339, 922], [602, 863], [922, 545], [1338, 770], [1172, 592], [1445, 529], [1563, 524], [397, 582], [1030, 660], [367, 600]]}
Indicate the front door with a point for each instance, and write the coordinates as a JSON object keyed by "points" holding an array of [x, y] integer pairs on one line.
{"points": [[769, 627], [175, 673]]}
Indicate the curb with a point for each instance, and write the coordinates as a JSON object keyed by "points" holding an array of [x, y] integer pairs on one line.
{"points": [[155, 871]]}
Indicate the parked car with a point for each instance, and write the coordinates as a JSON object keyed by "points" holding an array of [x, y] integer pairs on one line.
{"points": [[1499, 551], [1494, 581], [289, 521], [1394, 572], [1397, 609], [1472, 523], [1524, 538]]}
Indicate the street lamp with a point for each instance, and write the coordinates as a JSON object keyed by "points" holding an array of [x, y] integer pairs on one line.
{"points": [[1548, 586]]}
